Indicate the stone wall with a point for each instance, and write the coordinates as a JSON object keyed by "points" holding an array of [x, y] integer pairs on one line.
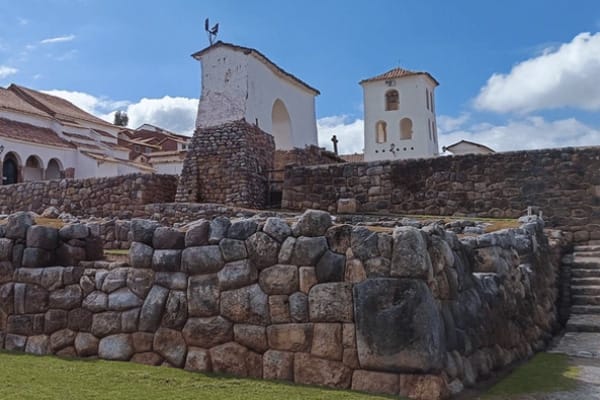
{"points": [[418, 312], [563, 183], [227, 164], [122, 196], [310, 155]]}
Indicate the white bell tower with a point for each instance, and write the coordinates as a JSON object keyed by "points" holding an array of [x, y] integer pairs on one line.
{"points": [[400, 115]]}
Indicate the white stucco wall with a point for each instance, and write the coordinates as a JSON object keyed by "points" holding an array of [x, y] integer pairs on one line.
{"points": [[45, 153], [413, 105], [468, 148], [239, 86], [171, 168]]}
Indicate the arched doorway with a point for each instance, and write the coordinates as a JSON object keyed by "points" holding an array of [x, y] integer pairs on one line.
{"points": [[34, 170], [10, 169], [282, 126], [54, 170]]}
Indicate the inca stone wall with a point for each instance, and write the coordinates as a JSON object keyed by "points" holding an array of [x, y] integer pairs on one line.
{"points": [[563, 183], [119, 196], [311, 155], [227, 164], [418, 312]]}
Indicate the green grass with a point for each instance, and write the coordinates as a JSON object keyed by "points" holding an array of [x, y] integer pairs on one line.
{"points": [[542, 374], [117, 252], [31, 377]]}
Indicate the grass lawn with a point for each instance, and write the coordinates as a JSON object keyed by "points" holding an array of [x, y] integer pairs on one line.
{"points": [[31, 377], [542, 374]]}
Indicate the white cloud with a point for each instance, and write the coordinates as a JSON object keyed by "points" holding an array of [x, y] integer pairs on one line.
{"points": [[7, 71], [565, 76], [22, 21], [58, 39], [92, 104], [446, 123], [527, 133], [177, 114], [349, 133]]}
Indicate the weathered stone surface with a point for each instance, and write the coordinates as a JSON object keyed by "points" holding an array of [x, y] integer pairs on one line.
{"points": [[253, 337], [169, 344], [73, 231], [30, 299], [6, 246], [168, 238], [331, 302], [279, 279], [263, 250], [198, 360], [307, 278], [350, 358], [242, 230], [14, 342], [308, 250], [278, 365], [347, 206], [80, 320], [310, 370], [376, 382], [6, 271], [166, 260], [246, 305], [34, 257], [331, 267], [377, 267], [106, 323], [202, 260], [197, 235], [290, 337], [123, 299], [152, 308], [233, 249], [37, 345], [86, 344], [440, 254], [17, 225], [25, 324], [407, 308], [312, 223], [61, 339], [254, 363], [218, 229], [279, 309], [140, 281], [55, 320], [67, 298], [229, 358], [70, 255], [142, 230], [116, 347], [203, 295], [142, 341], [423, 387], [176, 310], [43, 237], [286, 251], [237, 274], [130, 319], [277, 228], [115, 279], [171, 280], [327, 341], [17, 255], [147, 358], [96, 301], [364, 243], [410, 258], [298, 303], [348, 335], [338, 238], [207, 332]]}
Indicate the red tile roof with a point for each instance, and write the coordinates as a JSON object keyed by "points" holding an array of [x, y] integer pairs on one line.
{"points": [[11, 101], [31, 133], [398, 73], [261, 57]]}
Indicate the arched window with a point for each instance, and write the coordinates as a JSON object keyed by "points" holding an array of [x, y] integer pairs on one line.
{"points": [[54, 170], [381, 132], [281, 126], [392, 101], [34, 170], [10, 169], [406, 129]]}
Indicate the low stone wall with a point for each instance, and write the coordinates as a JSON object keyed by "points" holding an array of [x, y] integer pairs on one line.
{"points": [[121, 196], [563, 183], [418, 312], [310, 155]]}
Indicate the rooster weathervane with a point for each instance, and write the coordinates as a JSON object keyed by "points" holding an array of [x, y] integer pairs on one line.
{"points": [[211, 32]]}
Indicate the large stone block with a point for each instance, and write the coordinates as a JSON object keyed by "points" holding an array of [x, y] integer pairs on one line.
{"points": [[140, 281], [202, 260], [30, 299], [203, 295], [331, 267], [152, 309], [169, 344], [312, 223], [166, 260], [69, 255], [230, 358], [6, 246], [278, 365], [198, 360], [142, 230], [246, 305], [253, 337], [237, 274], [277, 228], [410, 258], [310, 370], [96, 301], [168, 238], [330, 302], [218, 229], [279, 309], [242, 230], [279, 279], [55, 320], [263, 250], [197, 234], [67, 298], [376, 382], [327, 341], [123, 299], [290, 337], [140, 255], [80, 320], [17, 225], [298, 303], [6, 271], [176, 310], [207, 332], [74, 231], [233, 249], [43, 237], [106, 323], [116, 347], [37, 345], [61, 339], [114, 279], [86, 344], [308, 250], [35, 257], [406, 308]]}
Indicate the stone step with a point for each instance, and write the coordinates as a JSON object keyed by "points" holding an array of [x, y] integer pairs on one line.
{"points": [[588, 281], [585, 273], [586, 262], [579, 344], [586, 247], [585, 300], [584, 323], [586, 290], [587, 254], [585, 309]]}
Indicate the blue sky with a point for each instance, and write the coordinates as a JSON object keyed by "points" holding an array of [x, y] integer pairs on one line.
{"points": [[513, 74]]}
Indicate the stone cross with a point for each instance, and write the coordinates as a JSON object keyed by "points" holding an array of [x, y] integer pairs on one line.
{"points": [[335, 141]]}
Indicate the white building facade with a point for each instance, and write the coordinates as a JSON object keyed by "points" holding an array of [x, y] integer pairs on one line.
{"points": [[399, 115], [240, 83]]}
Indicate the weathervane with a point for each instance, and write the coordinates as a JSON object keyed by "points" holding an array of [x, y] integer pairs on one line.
{"points": [[211, 32]]}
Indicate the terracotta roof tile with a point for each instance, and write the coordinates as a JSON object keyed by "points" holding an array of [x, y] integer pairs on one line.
{"points": [[397, 73], [31, 133], [10, 101]]}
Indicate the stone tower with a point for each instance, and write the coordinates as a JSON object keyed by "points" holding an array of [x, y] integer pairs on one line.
{"points": [[399, 108]]}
